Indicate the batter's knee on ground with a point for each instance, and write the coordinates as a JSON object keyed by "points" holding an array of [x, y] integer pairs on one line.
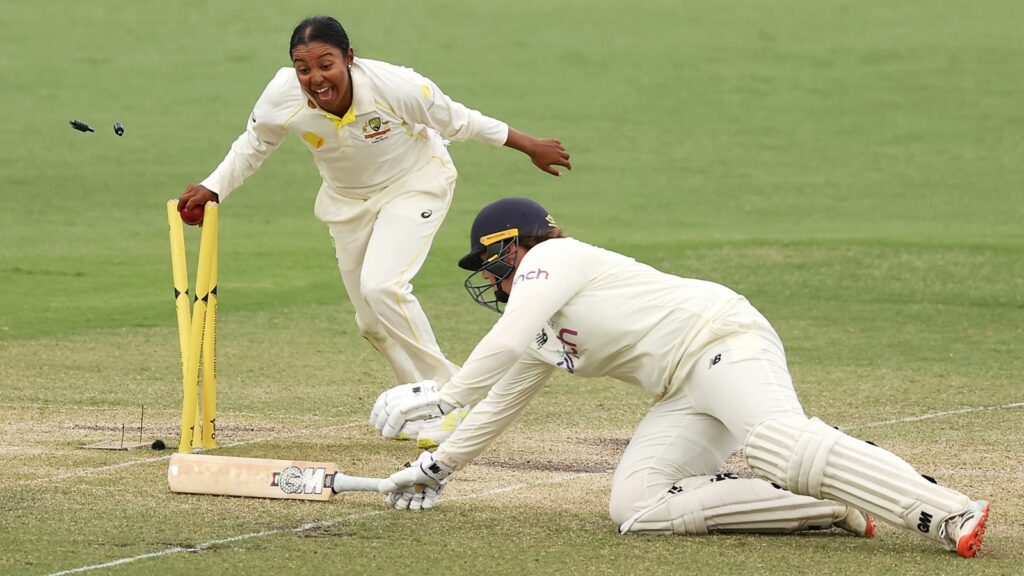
{"points": [[809, 457], [622, 508], [726, 503], [633, 492]]}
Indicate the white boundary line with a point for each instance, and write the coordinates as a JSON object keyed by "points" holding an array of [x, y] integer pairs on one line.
{"points": [[333, 521]]}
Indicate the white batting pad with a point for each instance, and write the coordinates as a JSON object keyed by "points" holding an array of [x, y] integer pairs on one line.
{"points": [[721, 503], [809, 457]]}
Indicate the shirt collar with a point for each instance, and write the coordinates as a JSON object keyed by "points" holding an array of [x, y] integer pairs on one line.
{"points": [[362, 97]]}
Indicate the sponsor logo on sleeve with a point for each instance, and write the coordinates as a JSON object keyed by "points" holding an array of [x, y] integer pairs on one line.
{"points": [[538, 274]]}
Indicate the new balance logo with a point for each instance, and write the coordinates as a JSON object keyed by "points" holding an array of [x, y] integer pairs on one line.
{"points": [[924, 523], [541, 339], [715, 360]]}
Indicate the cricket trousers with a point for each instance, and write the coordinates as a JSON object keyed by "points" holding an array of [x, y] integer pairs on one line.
{"points": [[381, 243], [739, 380]]}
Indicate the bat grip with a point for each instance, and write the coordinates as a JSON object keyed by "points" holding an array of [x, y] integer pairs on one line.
{"points": [[346, 483]]}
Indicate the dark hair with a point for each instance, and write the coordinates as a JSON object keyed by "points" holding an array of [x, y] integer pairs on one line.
{"points": [[319, 29], [527, 242]]}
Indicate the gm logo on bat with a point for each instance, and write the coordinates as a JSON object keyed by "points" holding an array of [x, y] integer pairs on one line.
{"points": [[295, 480]]}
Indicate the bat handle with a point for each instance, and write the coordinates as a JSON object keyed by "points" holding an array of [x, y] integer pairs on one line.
{"points": [[346, 483]]}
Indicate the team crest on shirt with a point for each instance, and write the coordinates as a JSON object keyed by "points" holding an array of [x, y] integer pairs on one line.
{"points": [[376, 130]]}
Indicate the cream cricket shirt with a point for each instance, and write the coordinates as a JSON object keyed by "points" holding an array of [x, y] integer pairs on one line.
{"points": [[590, 312], [388, 132]]}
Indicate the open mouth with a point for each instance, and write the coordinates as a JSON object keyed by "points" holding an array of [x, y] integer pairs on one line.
{"points": [[325, 94]]}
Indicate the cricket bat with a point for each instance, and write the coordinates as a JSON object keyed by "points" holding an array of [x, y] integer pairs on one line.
{"points": [[263, 478]]}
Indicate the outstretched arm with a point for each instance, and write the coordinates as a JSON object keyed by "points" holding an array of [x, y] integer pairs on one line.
{"points": [[545, 153], [417, 98]]}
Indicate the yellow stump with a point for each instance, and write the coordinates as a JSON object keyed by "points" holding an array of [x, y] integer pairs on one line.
{"points": [[197, 333], [209, 388], [179, 271]]}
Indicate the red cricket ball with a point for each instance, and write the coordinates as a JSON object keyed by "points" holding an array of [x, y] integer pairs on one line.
{"points": [[193, 216]]}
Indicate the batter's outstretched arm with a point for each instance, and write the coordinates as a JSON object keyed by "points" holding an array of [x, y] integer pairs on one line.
{"points": [[495, 413]]}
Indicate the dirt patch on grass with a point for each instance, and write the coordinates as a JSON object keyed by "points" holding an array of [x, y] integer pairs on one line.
{"points": [[542, 466]]}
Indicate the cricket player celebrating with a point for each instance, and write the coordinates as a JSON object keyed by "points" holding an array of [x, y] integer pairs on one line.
{"points": [[378, 135], [716, 370]]}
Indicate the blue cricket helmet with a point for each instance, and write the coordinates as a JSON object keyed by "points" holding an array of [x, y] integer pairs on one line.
{"points": [[500, 221]]}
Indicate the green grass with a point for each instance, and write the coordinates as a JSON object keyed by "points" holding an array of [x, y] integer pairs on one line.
{"points": [[853, 168]]}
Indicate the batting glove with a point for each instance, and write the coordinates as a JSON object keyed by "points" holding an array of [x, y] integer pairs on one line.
{"points": [[412, 411], [415, 500], [388, 399], [419, 484], [426, 470]]}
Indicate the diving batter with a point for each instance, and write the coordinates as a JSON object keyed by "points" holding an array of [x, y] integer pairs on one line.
{"points": [[716, 371]]}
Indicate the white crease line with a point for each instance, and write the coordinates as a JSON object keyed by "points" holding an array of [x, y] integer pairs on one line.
{"points": [[326, 523], [91, 471], [70, 407], [933, 416], [302, 528]]}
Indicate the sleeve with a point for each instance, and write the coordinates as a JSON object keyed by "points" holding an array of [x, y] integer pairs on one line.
{"points": [[264, 132], [418, 99], [546, 279], [495, 413]]}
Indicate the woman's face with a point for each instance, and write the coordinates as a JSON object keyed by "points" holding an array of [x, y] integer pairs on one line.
{"points": [[504, 288], [322, 70]]}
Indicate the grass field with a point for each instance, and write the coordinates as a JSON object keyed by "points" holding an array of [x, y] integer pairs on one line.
{"points": [[853, 168]]}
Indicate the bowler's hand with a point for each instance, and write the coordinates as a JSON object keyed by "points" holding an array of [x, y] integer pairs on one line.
{"points": [[545, 153], [196, 195]]}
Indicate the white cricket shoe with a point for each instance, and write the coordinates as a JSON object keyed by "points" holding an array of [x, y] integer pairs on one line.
{"points": [[857, 523], [964, 532]]}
